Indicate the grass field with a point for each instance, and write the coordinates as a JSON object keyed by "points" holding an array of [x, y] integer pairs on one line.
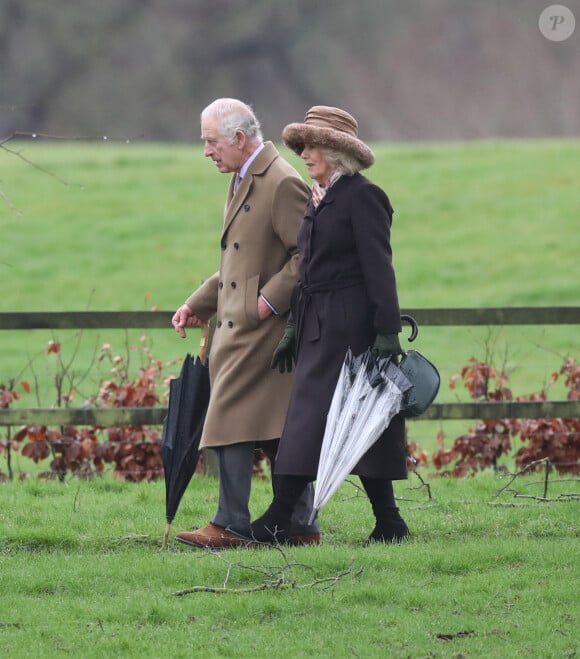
{"points": [[82, 574], [480, 224], [132, 226], [114, 226]]}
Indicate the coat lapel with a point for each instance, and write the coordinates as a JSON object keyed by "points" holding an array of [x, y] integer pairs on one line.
{"points": [[234, 202]]}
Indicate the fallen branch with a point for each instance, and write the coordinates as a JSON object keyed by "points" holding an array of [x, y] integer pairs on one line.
{"points": [[275, 578], [544, 461], [423, 485]]}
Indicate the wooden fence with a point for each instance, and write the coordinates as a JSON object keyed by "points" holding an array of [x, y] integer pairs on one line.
{"points": [[498, 316]]}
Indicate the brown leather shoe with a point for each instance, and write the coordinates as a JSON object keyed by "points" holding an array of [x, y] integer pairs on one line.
{"points": [[213, 536], [304, 539]]}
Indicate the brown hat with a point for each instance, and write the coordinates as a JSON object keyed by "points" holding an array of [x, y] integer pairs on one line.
{"points": [[328, 127]]}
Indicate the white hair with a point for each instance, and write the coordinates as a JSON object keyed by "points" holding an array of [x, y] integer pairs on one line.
{"points": [[234, 115]]}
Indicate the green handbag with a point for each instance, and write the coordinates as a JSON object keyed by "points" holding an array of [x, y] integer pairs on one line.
{"points": [[424, 377]]}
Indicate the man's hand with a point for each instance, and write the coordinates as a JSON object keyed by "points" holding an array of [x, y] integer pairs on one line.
{"points": [[184, 317], [283, 356], [386, 345], [264, 309]]}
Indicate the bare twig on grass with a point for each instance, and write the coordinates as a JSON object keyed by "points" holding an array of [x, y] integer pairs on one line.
{"points": [[519, 473], [553, 480], [423, 485], [545, 481], [544, 461], [274, 577]]}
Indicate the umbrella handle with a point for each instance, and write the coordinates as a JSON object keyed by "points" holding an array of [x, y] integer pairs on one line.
{"points": [[414, 326], [203, 344]]}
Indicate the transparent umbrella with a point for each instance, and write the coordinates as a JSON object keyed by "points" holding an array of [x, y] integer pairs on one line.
{"points": [[348, 372], [369, 393]]}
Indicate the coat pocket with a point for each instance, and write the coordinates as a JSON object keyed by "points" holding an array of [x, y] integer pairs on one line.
{"points": [[251, 301]]}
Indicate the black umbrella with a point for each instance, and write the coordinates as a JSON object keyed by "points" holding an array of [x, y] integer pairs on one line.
{"points": [[188, 401]]}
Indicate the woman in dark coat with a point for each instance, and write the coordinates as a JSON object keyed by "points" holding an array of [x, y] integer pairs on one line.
{"points": [[346, 297]]}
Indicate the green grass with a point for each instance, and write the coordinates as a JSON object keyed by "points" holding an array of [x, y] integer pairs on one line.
{"points": [[83, 575], [477, 224], [491, 223], [138, 225]]}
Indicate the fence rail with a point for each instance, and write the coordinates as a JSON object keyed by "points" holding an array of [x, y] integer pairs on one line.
{"points": [[162, 320], [152, 416]]}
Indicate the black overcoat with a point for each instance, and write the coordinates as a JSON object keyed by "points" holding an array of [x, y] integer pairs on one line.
{"points": [[346, 295]]}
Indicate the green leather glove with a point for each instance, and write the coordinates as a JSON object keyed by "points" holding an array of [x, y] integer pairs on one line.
{"points": [[283, 356], [386, 345]]}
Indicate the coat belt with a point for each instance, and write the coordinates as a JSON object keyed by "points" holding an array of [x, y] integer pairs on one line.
{"points": [[306, 291]]}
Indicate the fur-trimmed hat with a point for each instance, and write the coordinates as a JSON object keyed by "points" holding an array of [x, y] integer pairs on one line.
{"points": [[329, 127]]}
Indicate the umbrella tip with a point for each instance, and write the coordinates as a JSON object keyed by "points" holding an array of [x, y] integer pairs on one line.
{"points": [[166, 535]]}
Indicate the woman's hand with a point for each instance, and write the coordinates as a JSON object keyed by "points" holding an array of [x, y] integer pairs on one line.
{"points": [[386, 345], [283, 356]]}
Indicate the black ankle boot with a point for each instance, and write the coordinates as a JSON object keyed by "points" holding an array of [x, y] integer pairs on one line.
{"points": [[274, 525], [390, 527]]}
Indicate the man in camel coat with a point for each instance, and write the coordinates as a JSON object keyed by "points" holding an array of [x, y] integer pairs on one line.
{"points": [[250, 296]]}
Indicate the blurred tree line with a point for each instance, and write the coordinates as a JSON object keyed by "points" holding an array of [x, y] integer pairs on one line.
{"points": [[408, 70]]}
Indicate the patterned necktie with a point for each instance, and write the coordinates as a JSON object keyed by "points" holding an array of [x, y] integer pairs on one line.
{"points": [[237, 182]]}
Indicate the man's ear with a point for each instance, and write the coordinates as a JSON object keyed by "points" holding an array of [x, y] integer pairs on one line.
{"points": [[240, 139]]}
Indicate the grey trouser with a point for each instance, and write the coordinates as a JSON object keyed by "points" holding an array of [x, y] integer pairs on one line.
{"points": [[235, 465]]}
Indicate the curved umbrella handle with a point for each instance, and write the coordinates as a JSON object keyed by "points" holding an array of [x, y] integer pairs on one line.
{"points": [[204, 342], [414, 326]]}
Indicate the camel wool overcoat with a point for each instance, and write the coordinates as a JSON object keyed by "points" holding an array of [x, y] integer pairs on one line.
{"points": [[346, 295], [259, 255]]}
